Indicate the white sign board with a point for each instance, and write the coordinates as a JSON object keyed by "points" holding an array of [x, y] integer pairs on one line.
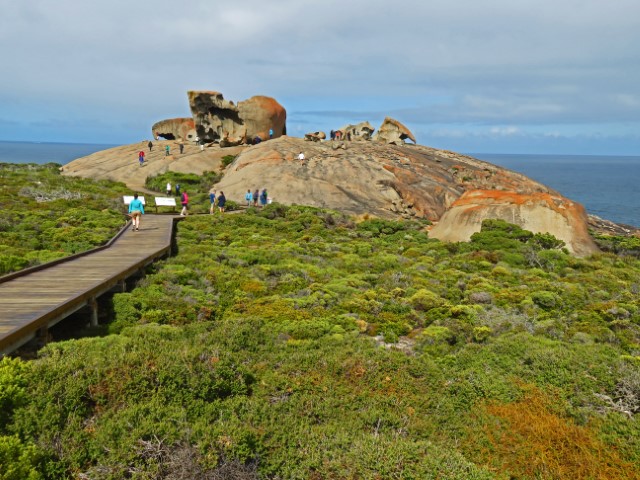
{"points": [[127, 199], [165, 202]]}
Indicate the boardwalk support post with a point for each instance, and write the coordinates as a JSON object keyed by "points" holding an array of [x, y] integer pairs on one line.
{"points": [[93, 304]]}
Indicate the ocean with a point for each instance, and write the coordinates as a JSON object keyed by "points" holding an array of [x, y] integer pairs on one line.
{"points": [[46, 152], [607, 185]]}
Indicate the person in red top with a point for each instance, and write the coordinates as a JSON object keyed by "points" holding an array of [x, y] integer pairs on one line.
{"points": [[185, 203], [141, 157]]}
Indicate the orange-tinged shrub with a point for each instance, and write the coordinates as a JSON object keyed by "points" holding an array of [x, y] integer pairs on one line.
{"points": [[530, 439]]}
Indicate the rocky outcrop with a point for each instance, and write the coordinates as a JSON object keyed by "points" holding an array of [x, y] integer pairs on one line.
{"points": [[394, 132], [219, 120], [361, 131], [537, 212], [174, 129], [366, 177], [315, 136]]}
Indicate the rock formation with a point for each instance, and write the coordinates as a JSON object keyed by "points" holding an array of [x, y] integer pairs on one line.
{"points": [[361, 131], [174, 129], [220, 120], [315, 136], [392, 131], [536, 212]]}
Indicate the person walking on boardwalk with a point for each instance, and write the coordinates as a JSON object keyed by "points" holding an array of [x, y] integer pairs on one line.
{"points": [[212, 201], [263, 197], [185, 203], [166, 151], [256, 196], [177, 189], [136, 210], [222, 201], [248, 197], [168, 188], [150, 145], [141, 157]]}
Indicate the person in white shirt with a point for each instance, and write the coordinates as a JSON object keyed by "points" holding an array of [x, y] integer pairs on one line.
{"points": [[301, 157]]}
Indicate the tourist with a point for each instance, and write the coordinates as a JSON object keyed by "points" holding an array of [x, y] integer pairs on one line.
{"points": [[332, 135], [248, 197], [212, 200], [168, 188], [177, 189], [136, 210], [181, 146], [263, 197], [185, 203], [256, 196], [202, 145], [141, 157], [222, 200], [150, 144], [166, 151], [270, 133], [301, 157]]}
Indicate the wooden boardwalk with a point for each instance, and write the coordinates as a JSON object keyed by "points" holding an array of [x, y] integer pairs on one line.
{"points": [[31, 301]]}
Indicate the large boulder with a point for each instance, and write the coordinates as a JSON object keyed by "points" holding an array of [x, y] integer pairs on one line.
{"points": [[537, 212], [393, 132], [174, 129], [220, 120]]}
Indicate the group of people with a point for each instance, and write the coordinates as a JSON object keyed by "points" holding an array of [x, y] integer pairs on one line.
{"points": [[257, 196]]}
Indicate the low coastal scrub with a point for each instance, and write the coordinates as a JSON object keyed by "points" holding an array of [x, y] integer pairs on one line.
{"points": [[46, 216], [295, 342]]}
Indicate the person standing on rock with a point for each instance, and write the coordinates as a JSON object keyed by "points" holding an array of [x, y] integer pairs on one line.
{"points": [[166, 151], [136, 210], [141, 157], [212, 201], [270, 133], [301, 157], [181, 146], [185, 203], [248, 197], [263, 197], [150, 145], [222, 201], [256, 196], [168, 188]]}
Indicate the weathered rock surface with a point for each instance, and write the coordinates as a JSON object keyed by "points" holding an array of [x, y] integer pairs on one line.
{"points": [[394, 132], [536, 212], [365, 178], [220, 120], [315, 136], [359, 132], [175, 129]]}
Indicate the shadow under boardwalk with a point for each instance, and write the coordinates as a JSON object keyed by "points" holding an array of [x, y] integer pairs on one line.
{"points": [[36, 300]]}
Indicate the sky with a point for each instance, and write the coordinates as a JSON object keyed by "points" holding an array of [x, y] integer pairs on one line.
{"points": [[491, 76]]}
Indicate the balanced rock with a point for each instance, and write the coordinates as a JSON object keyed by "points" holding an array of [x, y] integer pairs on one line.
{"points": [[174, 129], [220, 120], [537, 212], [394, 132]]}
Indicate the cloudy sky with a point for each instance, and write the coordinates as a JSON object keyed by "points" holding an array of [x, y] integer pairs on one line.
{"points": [[492, 76]]}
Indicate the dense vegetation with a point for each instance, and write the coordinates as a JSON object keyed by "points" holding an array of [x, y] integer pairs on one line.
{"points": [[293, 342], [45, 216]]}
